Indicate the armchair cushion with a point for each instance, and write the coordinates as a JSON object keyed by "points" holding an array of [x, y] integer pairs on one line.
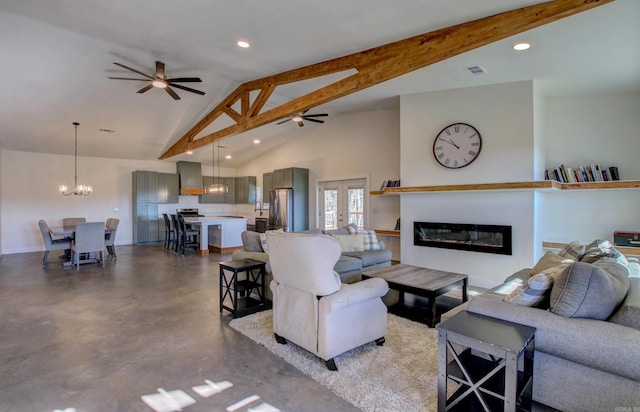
{"points": [[307, 262], [350, 294]]}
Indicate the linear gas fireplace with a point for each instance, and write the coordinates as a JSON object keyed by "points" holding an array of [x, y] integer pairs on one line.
{"points": [[476, 238]]}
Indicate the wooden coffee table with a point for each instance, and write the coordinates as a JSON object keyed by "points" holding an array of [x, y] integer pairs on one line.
{"points": [[428, 283]]}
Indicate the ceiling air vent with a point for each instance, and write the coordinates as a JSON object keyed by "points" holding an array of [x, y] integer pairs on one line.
{"points": [[477, 70]]}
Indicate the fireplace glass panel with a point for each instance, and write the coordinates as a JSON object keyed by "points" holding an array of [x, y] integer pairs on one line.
{"points": [[461, 236]]}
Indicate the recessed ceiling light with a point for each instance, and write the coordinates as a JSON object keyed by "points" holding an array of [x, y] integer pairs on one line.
{"points": [[256, 141], [243, 44], [521, 46], [189, 152], [227, 157]]}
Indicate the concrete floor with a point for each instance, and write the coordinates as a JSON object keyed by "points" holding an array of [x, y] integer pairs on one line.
{"points": [[99, 338]]}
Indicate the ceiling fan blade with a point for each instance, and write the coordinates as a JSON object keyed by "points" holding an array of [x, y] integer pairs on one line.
{"points": [[316, 115], [145, 88], [172, 93], [300, 124], [315, 120], [128, 78], [185, 80], [159, 69], [134, 70], [284, 121], [189, 89]]}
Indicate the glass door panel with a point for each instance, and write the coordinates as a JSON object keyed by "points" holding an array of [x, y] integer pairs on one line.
{"points": [[342, 202]]}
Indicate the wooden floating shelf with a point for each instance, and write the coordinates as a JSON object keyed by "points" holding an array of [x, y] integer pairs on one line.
{"points": [[625, 250], [387, 232], [538, 185]]}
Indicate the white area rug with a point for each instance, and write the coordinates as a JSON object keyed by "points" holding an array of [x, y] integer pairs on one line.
{"points": [[399, 376]]}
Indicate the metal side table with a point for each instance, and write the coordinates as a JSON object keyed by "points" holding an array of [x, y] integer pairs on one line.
{"points": [[242, 289], [489, 359]]}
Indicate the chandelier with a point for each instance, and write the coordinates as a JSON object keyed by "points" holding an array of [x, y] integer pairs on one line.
{"points": [[216, 187], [79, 190]]}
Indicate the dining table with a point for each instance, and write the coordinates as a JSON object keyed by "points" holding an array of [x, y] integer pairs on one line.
{"points": [[69, 231]]}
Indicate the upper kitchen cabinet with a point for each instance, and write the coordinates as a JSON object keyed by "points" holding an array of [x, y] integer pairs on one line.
{"points": [[290, 177], [245, 190], [145, 186], [267, 186], [167, 188]]}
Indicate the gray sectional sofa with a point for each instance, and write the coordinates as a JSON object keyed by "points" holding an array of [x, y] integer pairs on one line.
{"points": [[349, 266], [587, 343]]}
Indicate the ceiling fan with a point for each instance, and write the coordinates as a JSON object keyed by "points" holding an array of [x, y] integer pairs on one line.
{"points": [[160, 81], [298, 118]]}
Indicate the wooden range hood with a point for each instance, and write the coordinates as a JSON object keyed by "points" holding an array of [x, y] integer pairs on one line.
{"points": [[373, 66]]}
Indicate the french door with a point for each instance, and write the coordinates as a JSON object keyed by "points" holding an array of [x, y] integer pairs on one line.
{"points": [[342, 202]]}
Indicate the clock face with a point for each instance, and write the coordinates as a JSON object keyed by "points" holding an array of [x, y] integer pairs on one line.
{"points": [[457, 145]]}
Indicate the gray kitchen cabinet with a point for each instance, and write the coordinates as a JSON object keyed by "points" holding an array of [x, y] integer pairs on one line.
{"points": [[145, 206], [267, 186], [230, 196], [168, 188], [283, 178], [245, 189], [145, 186]]}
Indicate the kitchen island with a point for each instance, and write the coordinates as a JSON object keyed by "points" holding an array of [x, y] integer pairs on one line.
{"points": [[218, 234]]}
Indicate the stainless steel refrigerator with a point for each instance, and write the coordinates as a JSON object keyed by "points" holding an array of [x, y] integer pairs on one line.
{"points": [[281, 209]]}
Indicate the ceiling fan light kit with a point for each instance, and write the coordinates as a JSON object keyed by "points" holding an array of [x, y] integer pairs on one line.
{"points": [[78, 190], [160, 81], [298, 118]]}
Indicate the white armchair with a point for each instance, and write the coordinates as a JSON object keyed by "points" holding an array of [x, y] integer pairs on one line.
{"points": [[311, 308]]}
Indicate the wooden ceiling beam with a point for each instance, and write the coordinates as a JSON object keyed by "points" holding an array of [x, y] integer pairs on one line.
{"points": [[373, 66]]}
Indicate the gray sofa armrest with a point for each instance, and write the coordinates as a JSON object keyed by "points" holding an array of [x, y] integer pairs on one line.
{"points": [[596, 343]]}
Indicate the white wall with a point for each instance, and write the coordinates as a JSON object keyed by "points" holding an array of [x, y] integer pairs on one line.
{"points": [[362, 144], [586, 130], [503, 114]]}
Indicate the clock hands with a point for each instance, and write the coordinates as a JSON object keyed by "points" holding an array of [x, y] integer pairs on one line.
{"points": [[451, 142]]}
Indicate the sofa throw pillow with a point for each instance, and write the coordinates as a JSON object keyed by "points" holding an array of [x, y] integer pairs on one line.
{"points": [[350, 243], [588, 291], [263, 239], [628, 314], [550, 260], [370, 238], [601, 248], [251, 241], [573, 250], [536, 292]]}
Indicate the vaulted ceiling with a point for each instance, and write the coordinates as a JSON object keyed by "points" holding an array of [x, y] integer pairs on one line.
{"points": [[56, 57]]}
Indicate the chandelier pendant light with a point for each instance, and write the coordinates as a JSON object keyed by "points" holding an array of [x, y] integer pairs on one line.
{"points": [[78, 190], [216, 187]]}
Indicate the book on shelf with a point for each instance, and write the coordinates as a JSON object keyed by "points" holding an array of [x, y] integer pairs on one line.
{"points": [[384, 184], [584, 173], [393, 183]]}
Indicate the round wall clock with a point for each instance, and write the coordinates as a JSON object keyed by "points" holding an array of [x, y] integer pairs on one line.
{"points": [[457, 145]]}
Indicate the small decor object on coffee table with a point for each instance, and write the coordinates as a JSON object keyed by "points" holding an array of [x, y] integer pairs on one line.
{"points": [[491, 361], [242, 295]]}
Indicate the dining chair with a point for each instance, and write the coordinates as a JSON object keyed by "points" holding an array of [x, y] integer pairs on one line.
{"points": [[189, 238], [50, 243], [109, 238], [174, 221], [169, 232], [89, 238], [72, 221]]}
